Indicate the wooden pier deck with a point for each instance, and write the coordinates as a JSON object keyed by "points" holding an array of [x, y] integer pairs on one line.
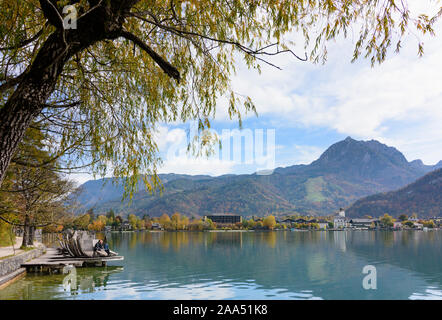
{"points": [[53, 261]]}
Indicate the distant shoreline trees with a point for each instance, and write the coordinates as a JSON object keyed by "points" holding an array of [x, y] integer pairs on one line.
{"points": [[179, 222]]}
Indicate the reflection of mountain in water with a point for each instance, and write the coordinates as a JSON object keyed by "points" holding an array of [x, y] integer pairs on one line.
{"points": [[253, 265]]}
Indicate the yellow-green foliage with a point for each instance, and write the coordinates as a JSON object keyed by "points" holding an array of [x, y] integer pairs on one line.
{"points": [[5, 234], [124, 94], [269, 222]]}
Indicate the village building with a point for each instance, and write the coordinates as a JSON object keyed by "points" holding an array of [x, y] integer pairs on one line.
{"points": [[397, 225], [323, 225], [418, 226], [224, 218], [156, 226], [341, 212], [125, 226], [340, 221], [360, 223], [288, 222]]}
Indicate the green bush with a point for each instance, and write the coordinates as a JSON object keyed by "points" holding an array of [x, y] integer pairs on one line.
{"points": [[5, 234]]}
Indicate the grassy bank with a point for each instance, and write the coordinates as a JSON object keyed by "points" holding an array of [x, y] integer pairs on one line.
{"points": [[6, 235]]}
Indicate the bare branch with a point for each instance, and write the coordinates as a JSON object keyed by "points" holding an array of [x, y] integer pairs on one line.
{"points": [[247, 50]]}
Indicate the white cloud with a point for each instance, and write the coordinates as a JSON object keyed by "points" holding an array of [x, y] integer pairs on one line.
{"points": [[399, 101], [306, 154], [194, 166], [81, 178], [172, 144]]}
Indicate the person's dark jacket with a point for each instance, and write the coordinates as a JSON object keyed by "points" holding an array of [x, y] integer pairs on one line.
{"points": [[98, 246]]}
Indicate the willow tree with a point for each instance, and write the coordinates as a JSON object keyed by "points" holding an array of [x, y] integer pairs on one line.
{"points": [[101, 80]]}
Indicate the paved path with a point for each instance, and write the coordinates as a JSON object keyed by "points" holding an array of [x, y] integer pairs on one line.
{"points": [[9, 251]]}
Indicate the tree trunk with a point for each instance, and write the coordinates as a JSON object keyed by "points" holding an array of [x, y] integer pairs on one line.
{"points": [[26, 232], [29, 97], [31, 236], [40, 78]]}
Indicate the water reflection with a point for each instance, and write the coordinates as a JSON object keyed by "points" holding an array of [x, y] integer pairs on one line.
{"points": [[255, 265], [35, 286]]}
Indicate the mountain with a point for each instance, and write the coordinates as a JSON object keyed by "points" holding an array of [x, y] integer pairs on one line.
{"points": [[420, 165], [109, 190], [423, 197], [347, 171]]}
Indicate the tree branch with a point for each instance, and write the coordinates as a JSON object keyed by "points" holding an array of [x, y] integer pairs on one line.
{"points": [[24, 43], [170, 70], [247, 50], [11, 82], [50, 11]]}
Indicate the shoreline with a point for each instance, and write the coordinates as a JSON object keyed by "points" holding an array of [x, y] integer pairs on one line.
{"points": [[11, 267], [277, 230]]}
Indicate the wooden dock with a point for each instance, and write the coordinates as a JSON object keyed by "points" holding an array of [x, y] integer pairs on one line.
{"points": [[54, 262]]}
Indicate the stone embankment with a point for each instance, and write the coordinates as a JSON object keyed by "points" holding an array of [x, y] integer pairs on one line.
{"points": [[10, 267]]}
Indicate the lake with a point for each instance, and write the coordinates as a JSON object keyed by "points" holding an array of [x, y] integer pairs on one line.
{"points": [[253, 265]]}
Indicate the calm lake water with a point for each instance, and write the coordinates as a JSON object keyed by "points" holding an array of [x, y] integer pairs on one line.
{"points": [[254, 265]]}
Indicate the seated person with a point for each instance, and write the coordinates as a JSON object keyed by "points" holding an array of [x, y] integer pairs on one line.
{"points": [[106, 248], [98, 246]]}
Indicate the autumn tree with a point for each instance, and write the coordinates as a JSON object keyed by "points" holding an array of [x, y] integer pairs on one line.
{"points": [[118, 221], [269, 222], [409, 224], [33, 190], [97, 225], [176, 220], [133, 220], [209, 224], [141, 224], [165, 220], [82, 222], [387, 220], [403, 217], [91, 214], [429, 224], [100, 88], [184, 223]]}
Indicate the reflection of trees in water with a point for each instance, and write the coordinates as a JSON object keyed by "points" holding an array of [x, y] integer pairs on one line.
{"points": [[319, 261], [115, 240], [88, 281], [43, 287], [293, 258], [265, 256]]}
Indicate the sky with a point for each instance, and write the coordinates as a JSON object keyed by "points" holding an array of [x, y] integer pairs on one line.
{"points": [[304, 108]]}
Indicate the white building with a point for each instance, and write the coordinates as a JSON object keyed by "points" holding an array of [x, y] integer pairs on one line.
{"points": [[339, 222], [341, 212]]}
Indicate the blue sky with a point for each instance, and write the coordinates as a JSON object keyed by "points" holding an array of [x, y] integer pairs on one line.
{"points": [[310, 107]]}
